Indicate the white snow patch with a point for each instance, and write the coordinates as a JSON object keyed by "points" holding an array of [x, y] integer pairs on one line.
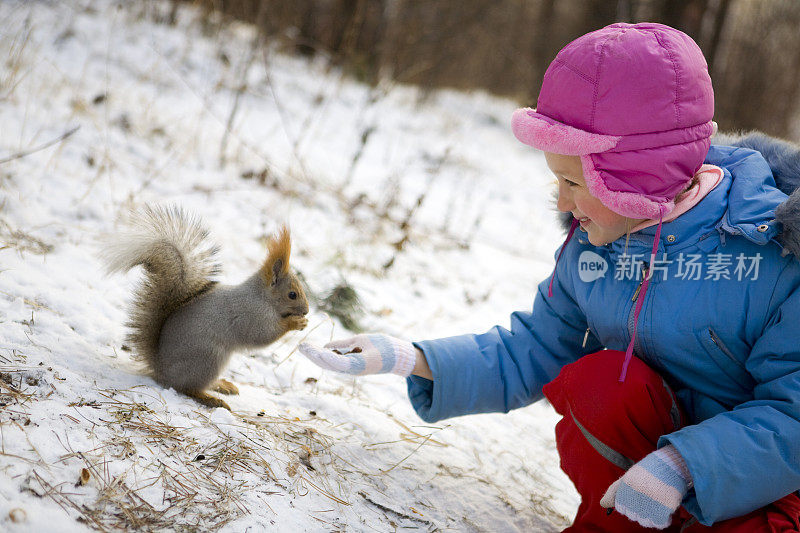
{"points": [[303, 450]]}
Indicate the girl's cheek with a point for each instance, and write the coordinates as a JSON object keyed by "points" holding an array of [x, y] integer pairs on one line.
{"points": [[588, 205], [594, 209], [605, 219]]}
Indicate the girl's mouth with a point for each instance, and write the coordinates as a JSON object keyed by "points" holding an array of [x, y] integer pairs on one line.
{"points": [[584, 220]]}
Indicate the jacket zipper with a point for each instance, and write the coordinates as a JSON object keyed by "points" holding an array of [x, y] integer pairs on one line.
{"points": [[631, 314], [724, 349], [633, 307], [639, 287]]}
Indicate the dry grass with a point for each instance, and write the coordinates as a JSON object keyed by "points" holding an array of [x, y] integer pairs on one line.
{"points": [[13, 390], [12, 74], [147, 472], [22, 241], [202, 482]]}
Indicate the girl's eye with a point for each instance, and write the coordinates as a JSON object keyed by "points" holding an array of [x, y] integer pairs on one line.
{"points": [[293, 295], [568, 181]]}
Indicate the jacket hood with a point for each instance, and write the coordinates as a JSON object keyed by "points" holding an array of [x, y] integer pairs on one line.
{"points": [[783, 159], [762, 183]]}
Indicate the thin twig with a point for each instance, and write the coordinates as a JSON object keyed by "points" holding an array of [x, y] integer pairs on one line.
{"points": [[392, 511], [41, 147], [421, 444], [239, 91]]}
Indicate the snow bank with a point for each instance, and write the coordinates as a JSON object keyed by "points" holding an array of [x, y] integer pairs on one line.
{"points": [[250, 138]]}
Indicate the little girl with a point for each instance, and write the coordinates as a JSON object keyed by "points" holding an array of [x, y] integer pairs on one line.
{"points": [[666, 336]]}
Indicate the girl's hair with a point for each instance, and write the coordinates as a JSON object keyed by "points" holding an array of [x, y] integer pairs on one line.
{"points": [[692, 183]]}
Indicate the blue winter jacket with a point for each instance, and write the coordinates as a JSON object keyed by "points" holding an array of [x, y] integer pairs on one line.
{"points": [[728, 343]]}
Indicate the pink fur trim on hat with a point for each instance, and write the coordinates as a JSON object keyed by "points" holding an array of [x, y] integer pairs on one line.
{"points": [[542, 132], [628, 204]]}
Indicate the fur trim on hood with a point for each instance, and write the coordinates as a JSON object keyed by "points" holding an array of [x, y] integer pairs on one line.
{"points": [[783, 158]]}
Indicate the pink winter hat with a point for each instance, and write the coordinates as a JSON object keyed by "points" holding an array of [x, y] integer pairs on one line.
{"points": [[635, 102]]}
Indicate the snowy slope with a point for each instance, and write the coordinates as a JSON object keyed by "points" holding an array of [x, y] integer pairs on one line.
{"points": [[249, 138]]}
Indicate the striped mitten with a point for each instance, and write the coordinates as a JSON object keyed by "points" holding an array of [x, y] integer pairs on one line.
{"points": [[652, 490], [364, 354]]}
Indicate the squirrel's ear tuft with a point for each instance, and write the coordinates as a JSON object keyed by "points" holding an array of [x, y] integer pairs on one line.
{"points": [[279, 248]]}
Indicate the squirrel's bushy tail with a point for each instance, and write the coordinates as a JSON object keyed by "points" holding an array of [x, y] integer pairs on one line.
{"points": [[178, 259]]}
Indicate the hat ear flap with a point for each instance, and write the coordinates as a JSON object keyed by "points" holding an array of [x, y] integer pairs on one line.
{"points": [[276, 265]]}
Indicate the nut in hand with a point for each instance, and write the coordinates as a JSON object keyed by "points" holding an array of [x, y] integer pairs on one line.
{"points": [[356, 349]]}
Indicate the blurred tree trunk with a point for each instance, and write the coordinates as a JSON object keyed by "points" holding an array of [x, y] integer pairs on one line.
{"points": [[711, 42], [756, 72], [595, 15], [685, 15], [544, 48], [505, 46]]}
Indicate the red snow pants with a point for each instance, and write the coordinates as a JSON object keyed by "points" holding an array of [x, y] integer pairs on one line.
{"points": [[607, 426]]}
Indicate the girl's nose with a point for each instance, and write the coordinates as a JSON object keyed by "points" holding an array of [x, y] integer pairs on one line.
{"points": [[565, 202]]}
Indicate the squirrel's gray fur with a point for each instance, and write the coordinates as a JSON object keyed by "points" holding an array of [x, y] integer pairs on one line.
{"points": [[183, 324]]}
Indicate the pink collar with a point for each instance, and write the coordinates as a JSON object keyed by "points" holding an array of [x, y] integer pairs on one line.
{"points": [[708, 177]]}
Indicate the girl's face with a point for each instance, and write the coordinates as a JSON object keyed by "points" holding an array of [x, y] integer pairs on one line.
{"points": [[600, 223]]}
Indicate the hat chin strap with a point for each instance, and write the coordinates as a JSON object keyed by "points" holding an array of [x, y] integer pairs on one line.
{"points": [[642, 291], [640, 299]]}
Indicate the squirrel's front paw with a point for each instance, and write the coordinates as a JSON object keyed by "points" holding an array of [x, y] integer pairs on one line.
{"points": [[296, 322]]}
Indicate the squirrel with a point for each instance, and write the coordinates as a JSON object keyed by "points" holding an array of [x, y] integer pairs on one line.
{"points": [[183, 324]]}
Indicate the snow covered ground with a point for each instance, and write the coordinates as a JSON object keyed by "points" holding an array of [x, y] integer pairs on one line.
{"points": [[249, 138]]}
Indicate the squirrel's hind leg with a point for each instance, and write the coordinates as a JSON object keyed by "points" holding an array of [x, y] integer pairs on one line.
{"points": [[206, 399], [223, 386]]}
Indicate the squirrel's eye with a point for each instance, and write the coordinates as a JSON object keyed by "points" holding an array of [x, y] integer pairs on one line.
{"points": [[293, 295]]}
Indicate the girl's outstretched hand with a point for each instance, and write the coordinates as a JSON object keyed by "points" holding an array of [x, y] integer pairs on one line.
{"points": [[652, 489], [364, 354]]}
